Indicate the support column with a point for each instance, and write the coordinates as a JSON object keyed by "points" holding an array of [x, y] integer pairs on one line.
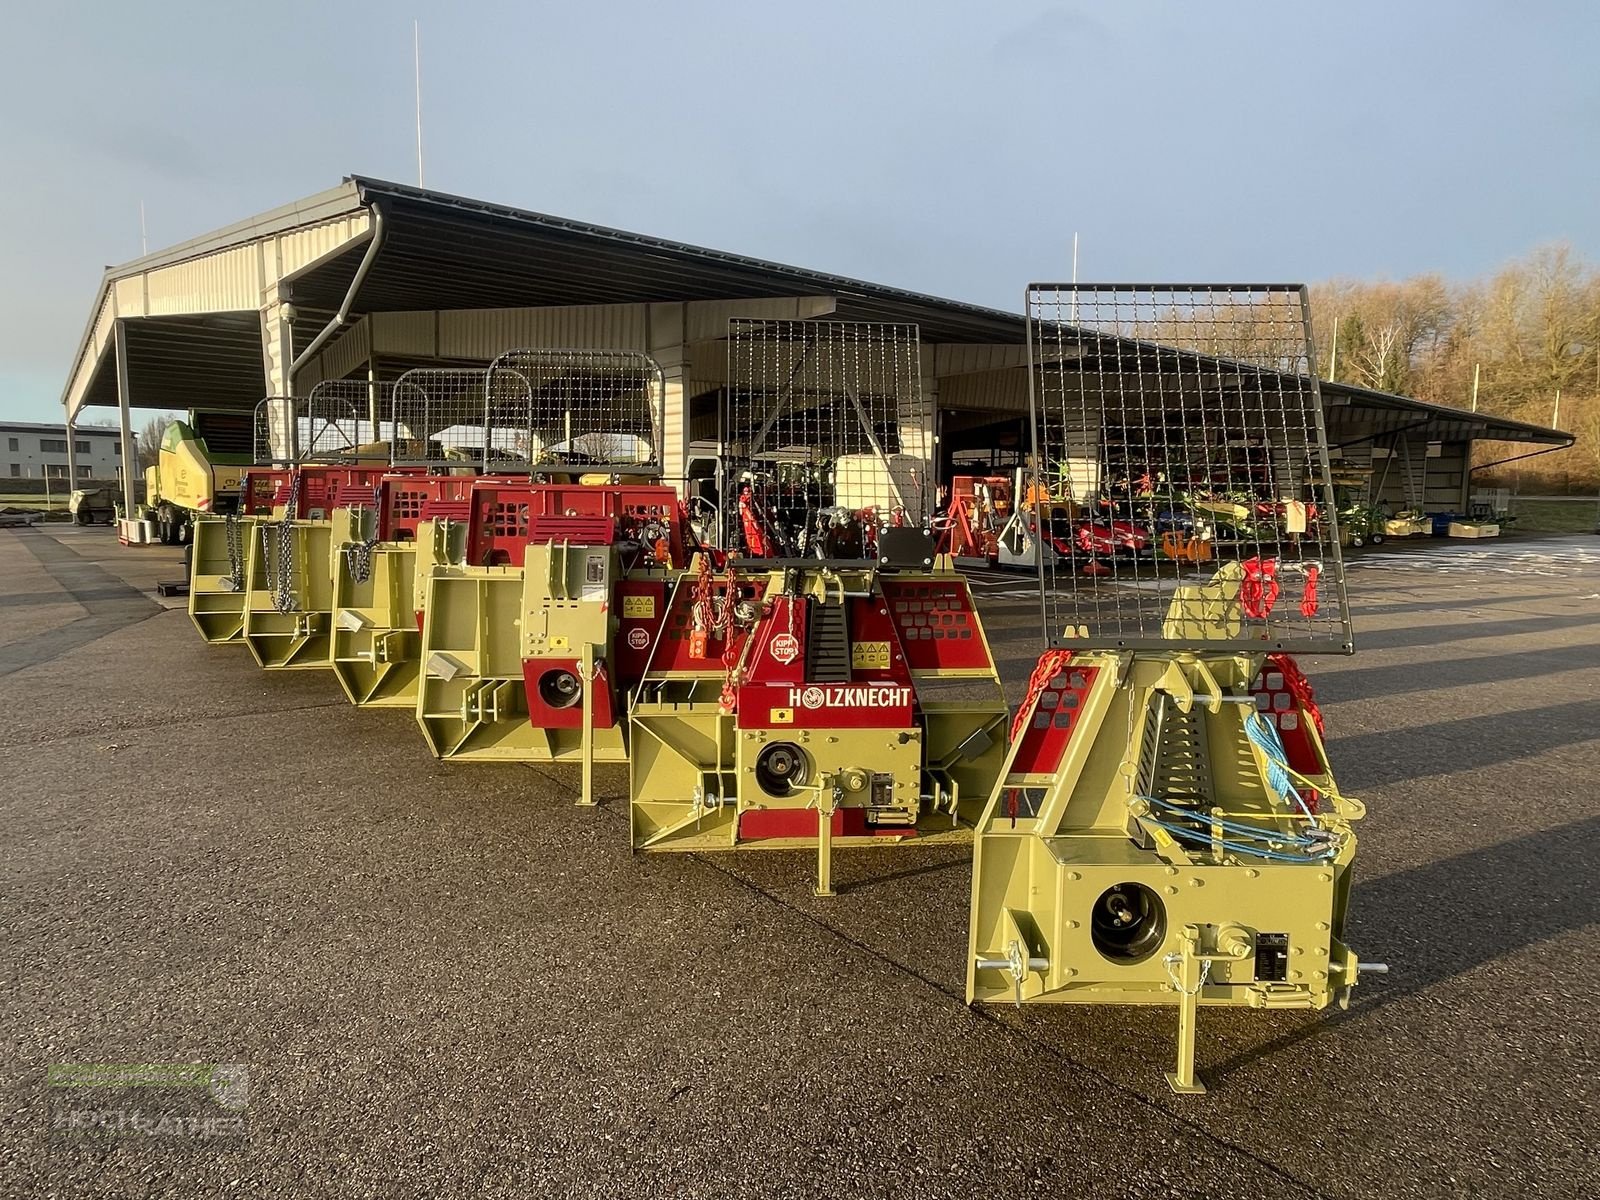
{"points": [[667, 346], [918, 425], [277, 348], [675, 431], [374, 413], [130, 458], [72, 456]]}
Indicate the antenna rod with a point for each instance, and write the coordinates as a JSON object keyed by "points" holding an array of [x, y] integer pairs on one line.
{"points": [[1074, 276], [416, 45], [144, 241]]}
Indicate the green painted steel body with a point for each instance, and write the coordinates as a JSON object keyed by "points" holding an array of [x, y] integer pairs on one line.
{"points": [[1148, 859], [480, 625], [377, 621], [298, 635], [217, 576]]}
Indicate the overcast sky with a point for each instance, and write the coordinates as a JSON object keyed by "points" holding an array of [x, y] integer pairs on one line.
{"points": [[946, 146]]}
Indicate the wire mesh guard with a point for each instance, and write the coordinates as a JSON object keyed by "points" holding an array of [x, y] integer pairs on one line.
{"points": [[1181, 476], [340, 421], [829, 439], [449, 417], [595, 410]]}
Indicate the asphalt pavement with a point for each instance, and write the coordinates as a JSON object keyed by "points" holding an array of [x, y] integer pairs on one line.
{"points": [[447, 980]]}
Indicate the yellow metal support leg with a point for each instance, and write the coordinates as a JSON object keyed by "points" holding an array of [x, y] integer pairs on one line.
{"points": [[827, 801], [1189, 978], [586, 669]]}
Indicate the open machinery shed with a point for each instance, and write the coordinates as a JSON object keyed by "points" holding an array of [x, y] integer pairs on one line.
{"points": [[370, 279]]}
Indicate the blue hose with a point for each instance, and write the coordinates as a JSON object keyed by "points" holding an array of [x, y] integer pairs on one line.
{"points": [[1194, 835], [1264, 735], [1235, 827]]}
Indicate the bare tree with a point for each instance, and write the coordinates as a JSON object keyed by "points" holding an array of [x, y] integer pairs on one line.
{"points": [[150, 439], [1380, 359], [1523, 333]]}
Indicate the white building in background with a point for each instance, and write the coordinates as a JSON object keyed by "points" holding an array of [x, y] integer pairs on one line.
{"points": [[33, 450]]}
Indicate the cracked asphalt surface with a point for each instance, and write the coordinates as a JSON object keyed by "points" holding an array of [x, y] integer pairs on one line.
{"points": [[447, 980]]}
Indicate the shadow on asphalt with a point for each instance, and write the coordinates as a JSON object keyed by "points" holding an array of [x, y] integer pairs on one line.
{"points": [[868, 882], [1435, 922], [1359, 682], [1461, 631], [1371, 760], [1449, 603]]}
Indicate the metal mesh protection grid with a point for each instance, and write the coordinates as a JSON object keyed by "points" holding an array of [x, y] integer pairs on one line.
{"points": [[453, 417], [330, 425], [593, 410], [1181, 469], [829, 438], [270, 429]]}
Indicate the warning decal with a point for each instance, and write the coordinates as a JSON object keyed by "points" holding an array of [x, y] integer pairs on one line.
{"points": [[869, 656], [641, 608]]}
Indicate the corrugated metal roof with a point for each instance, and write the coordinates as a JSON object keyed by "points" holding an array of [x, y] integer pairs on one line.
{"points": [[445, 252], [1443, 422]]}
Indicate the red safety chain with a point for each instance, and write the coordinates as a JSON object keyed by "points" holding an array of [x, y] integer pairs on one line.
{"points": [[728, 701], [1308, 598], [703, 613], [1051, 663], [730, 597], [1258, 592], [704, 616], [1299, 686]]}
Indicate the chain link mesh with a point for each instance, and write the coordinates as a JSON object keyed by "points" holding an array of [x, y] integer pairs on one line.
{"points": [[340, 421], [454, 417], [270, 430], [829, 437], [1178, 429], [595, 410]]}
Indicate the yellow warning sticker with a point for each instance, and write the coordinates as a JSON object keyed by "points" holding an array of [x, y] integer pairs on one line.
{"points": [[639, 607], [783, 716], [869, 656]]}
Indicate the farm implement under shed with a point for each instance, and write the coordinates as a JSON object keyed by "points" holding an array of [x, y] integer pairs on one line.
{"points": [[798, 663]]}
